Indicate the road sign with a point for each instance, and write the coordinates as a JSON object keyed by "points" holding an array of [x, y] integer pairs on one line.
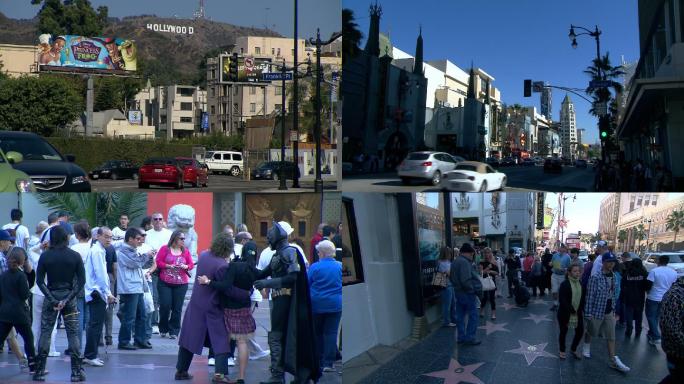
{"points": [[272, 76], [537, 86], [600, 84]]}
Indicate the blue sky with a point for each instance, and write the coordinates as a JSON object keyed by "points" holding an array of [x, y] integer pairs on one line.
{"points": [[323, 14], [582, 213], [514, 40]]}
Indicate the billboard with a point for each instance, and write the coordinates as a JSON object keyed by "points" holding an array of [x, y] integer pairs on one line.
{"points": [[135, 117], [205, 122], [249, 69], [105, 53]]}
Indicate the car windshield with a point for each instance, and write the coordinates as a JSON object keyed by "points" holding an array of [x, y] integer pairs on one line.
{"points": [[674, 258], [466, 167], [418, 156], [268, 164], [209, 155], [160, 161], [31, 148], [186, 162]]}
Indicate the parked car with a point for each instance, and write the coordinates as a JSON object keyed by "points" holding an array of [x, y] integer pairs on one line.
{"points": [[165, 171], [48, 169], [473, 176], [194, 172], [507, 162], [676, 261], [566, 161], [493, 161], [553, 164], [580, 163], [527, 162], [538, 161], [224, 162], [426, 166], [271, 170], [12, 180], [115, 170], [583, 255]]}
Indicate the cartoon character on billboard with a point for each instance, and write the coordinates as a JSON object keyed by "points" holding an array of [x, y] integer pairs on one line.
{"points": [[54, 55], [44, 44], [114, 61], [129, 54]]}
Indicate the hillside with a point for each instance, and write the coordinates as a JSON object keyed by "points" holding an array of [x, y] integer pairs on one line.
{"points": [[164, 55]]}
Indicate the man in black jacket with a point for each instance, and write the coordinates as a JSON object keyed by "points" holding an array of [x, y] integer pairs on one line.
{"points": [[467, 286]]}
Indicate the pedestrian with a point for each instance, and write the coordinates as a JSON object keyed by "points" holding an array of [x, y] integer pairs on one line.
{"points": [[82, 233], [60, 276], [574, 258], [131, 286], [570, 315], [546, 264], [14, 295], [621, 268], [448, 302], [528, 260], [588, 266], [6, 244], [537, 277], [672, 326], [318, 236], [512, 268], [662, 277], [325, 282], [602, 293], [17, 229], [467, 287], [120, 231], [203, 322], [98, 294], [634, 287], [175, 263], [157, 237], [248, 250], [560, 262], [490, 270], [112, 268]]}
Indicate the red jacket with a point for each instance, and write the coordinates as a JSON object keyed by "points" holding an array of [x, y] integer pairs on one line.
{"points": [[527, 263], [315, 240]]}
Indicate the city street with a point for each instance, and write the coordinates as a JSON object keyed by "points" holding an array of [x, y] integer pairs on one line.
{"points": [[519, 179], [217, 183], [147, 366]]}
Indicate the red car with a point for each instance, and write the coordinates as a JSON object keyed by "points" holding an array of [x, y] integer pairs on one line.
{"points": [[194, 172], [161, 171]]}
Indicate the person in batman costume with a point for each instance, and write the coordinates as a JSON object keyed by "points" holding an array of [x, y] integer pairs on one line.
{"points": [[291, 339]]}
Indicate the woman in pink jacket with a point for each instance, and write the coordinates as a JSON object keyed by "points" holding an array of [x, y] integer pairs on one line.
{"points": [[174, 263]]}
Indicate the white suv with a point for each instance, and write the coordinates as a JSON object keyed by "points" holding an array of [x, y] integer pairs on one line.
{"points": [[224, 162], [676, 261]]}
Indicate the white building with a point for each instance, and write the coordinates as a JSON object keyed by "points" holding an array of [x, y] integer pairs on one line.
{"points": [[174, 110], [568, 129]]}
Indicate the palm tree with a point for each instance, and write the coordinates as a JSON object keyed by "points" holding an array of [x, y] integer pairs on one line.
{"points": [[97, 208], [675, 221], [602, 70], [351, 36], [640, 234], [622, 236]]}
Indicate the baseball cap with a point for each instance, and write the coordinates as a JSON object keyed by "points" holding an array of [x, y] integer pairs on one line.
{"points": [[286, 226], [4, 235], [608, 256], [602, 243], [467, 248]]}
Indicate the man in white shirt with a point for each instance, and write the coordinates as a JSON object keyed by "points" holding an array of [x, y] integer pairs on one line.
{"points": [[97, 294], [21, 233], [155, 238], [603, 248], [662, 277], [120, 231]]}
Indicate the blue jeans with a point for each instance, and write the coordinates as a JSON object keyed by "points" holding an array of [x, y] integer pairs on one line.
{"points": [[448, 305], [653, 315], [466, 306], [326, 326], [83, 318], [133, 318]]}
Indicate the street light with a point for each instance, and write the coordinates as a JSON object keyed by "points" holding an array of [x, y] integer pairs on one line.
{"points": [[648, 234]]}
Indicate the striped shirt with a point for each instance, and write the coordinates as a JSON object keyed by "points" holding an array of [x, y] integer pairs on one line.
{"points": [[598, 293]]}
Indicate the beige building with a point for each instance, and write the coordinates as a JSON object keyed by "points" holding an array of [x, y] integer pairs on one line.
{"points": [[18, 60], [650, 210], [174, 111], [609, 213], [262, 99]]}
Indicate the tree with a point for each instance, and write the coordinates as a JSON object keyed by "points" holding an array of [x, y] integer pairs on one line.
{"points": [[675, 221], [114, 92], [622, 236], [352, 36], [602, 70], [97, 208], [639, 234], [43, 105], [71, 17]]}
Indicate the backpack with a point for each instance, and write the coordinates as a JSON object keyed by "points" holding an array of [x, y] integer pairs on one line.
{"points": [[13, 232]]}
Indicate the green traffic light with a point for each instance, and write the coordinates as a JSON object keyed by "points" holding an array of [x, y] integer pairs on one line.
{"points": [[604, 134]]}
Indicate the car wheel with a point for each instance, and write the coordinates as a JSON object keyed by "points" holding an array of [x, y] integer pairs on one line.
{"points": [[406, 181], [275, 176], [235, 171], [135, 176], [115, 176], [196, 183], [503, 183], [436, 178], [143, 185], [483, 186], [179, 183]]}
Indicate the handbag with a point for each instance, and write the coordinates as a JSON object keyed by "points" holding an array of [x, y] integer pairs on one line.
{"points": [[440, 279], [487, 283], [149, 301]]}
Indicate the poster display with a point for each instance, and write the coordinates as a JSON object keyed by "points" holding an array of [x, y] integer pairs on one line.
{"points": [[430, 223], [106, 53], [249, 68]]}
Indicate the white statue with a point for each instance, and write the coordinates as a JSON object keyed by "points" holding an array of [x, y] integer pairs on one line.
{"points": [[182, 216]]}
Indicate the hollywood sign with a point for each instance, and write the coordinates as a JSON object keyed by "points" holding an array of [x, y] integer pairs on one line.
{"points": [[168, 28]]}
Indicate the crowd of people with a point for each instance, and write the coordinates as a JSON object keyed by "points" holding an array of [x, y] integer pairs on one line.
{"points": [[627, 176], [80, 276], [593, 298]]}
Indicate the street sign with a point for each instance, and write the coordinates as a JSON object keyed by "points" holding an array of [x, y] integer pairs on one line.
{"points": [[273, 76], [294, 136], [600, 84], [537, 86]]}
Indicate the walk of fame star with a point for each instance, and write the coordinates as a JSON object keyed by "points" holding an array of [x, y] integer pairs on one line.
{"points": [[539, 301], [457, 373], [531, 352], [493, 327], [507, 306], [148, 366], [536, 318]]}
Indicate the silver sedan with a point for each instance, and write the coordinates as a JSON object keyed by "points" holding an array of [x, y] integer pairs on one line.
{"points": [[427, 166]]}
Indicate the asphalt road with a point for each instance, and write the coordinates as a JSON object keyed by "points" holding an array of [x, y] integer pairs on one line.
{"points": [[519, 179], [217, 183]]}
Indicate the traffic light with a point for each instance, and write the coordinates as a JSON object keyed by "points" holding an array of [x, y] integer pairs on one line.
{"points": [[604, 128], [528, 88], [233, 70]]}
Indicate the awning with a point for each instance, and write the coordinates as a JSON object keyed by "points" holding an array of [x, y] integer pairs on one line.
{"points": [[644, 94]]}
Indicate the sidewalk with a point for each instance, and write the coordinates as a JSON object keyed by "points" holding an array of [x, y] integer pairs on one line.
{"points": [[520, 346]]}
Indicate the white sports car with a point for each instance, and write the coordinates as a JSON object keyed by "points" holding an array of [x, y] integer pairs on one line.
{"points": [[472, 176]]}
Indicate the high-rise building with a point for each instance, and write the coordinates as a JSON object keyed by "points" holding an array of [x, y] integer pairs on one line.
{"points": [[568, 131], [546, 103], [609, 213]]}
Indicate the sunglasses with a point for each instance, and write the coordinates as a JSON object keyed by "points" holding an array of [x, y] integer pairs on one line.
{"points": [[158, 219], [181, 238]]}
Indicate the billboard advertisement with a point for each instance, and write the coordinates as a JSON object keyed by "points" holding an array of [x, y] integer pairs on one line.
{"points": [[106, 53], [135, 117], [249, 69]]}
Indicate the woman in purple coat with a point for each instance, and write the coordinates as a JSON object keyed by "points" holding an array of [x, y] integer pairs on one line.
{"points": [[204, 317]]}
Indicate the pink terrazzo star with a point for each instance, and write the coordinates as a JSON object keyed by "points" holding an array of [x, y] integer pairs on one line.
{"points": [[457, 373], [531, 352], [493, 327]]}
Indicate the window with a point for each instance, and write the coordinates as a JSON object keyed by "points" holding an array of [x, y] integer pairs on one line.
{"points": [[278, 52], [162, 119], [185, 91], [252, 107], [257, 50], [292, 50], [252, 90], [279, 91], [278, 107], [237, 156], [242, 50], [186, 119], [273, 51], [186, 106], [352, 267], [213, 74], [226, 156], [213, 109], [213, 92]]}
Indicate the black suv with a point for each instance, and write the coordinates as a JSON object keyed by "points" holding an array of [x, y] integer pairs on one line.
{"points": [[271, 170], [47, 168], [115, 170]]}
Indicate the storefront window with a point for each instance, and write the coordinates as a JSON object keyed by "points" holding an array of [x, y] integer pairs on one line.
{"points": [[430, 226], [352, 268]]}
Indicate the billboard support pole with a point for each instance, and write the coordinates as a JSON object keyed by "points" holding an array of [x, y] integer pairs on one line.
{"points": [[283, 183], [295, 111], [230, 110], [89, 107]]}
